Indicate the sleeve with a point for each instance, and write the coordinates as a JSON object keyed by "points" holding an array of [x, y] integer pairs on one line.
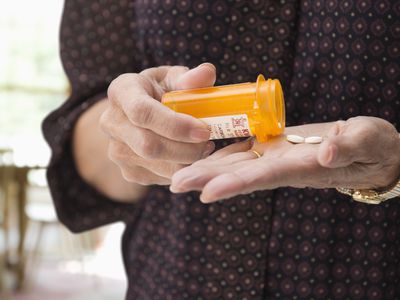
{"points": [[96, 45]]}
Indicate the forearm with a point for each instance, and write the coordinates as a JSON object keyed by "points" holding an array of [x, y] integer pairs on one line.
{"points": [[90, 153]]}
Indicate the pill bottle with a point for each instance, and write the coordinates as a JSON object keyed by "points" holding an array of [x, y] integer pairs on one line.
{"points": [[236, 110]]}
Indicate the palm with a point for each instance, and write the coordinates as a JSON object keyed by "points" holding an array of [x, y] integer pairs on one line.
{"points": [[235, 170]]}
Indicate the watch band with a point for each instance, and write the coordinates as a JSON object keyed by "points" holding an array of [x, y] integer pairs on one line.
{"points": [[371, 196]]}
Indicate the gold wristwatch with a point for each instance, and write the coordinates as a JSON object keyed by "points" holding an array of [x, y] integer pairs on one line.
{"points": [[372, 196]]}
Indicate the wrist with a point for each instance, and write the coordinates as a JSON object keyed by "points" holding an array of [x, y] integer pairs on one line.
{"points": [[89, 144], [90, 151], [376, 196]]}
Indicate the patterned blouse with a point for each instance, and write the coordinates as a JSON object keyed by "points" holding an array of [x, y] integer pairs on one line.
{"points": [[336, 59]]}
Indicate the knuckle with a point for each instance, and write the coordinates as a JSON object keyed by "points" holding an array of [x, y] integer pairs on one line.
{"points": [[111, 119], [117, 151], [372, 129], [141, 112], [144, 181], [119, 85], [112, 90], [180, 124], [367, 133], [340, 123], [104, 121], [149, 71], [391, 128], [128, 175], [354, 119], [135, 175], [366, 128], [149, 147], [338, 126], [116, 85]]}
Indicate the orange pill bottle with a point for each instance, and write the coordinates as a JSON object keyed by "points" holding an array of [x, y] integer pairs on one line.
{"points": [[236, 110]]}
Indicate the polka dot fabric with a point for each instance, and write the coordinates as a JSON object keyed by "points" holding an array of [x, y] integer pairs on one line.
{"points": [[336, 59]]}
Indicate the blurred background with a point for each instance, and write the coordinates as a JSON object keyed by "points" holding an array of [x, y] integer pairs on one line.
{"points": [[39, 258]]}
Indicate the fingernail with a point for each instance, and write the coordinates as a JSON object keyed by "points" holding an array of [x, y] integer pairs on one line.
{"points": [[199, 135], [203, 198], [207, 64], [250, 140], [206, 199], [175, 189], [209, 148]]}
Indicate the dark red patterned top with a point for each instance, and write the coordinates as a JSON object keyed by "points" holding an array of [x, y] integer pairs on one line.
{"points": [[336, 59]]}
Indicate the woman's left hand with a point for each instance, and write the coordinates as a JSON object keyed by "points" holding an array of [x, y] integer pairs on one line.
{"points": [[360, 153]]}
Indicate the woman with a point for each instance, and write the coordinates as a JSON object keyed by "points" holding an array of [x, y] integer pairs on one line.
{"points": [[336, 60]]}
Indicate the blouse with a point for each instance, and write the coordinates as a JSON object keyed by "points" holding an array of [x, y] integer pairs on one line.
{"points": [[335, 59]]}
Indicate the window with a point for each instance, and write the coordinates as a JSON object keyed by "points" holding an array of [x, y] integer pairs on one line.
{"points": [[32, 82]]}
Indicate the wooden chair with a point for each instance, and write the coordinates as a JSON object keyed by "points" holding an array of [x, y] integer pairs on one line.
{"points": [[5, 181], [42, 220]]}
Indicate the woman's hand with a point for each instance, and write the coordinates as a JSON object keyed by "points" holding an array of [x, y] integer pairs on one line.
{"points": [[360, 153], [147, 140]]}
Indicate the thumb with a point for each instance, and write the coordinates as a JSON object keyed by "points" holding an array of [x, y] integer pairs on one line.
{"points": [[339, 148], [203, 75]]}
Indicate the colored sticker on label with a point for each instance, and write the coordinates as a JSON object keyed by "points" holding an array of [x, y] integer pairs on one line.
{"points": [[225, 127]]}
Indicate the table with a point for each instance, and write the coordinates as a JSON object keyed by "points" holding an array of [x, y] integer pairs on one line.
{"points": [[19, 176]]}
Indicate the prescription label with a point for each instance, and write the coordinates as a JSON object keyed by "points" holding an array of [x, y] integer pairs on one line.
{"points": [[225, 127]]}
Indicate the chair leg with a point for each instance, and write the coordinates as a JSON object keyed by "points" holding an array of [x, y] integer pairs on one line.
{"points": [[2, 275], [6, 224], [32, 258], [36, 249]]}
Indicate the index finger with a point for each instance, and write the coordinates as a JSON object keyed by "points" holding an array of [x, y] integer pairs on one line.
{"points": [[133, 93], [262, 174]]}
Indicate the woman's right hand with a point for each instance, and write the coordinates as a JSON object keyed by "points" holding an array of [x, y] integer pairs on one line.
{"points": [[148, 141]]}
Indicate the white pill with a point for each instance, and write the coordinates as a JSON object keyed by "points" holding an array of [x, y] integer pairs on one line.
{"points": [[295, 139], [313, 140]]}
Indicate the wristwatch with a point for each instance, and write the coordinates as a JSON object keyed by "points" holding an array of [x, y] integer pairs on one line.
{"points": [[371, 196]]}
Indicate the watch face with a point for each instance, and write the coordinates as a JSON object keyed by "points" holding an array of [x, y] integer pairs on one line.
{"points": [[367, 196], [367, 201]]}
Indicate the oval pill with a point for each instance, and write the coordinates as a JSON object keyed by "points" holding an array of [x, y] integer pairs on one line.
{"points": [[313, 140], [295, 139]]}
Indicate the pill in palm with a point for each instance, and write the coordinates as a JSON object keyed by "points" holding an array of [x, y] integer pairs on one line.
{"points": [[313, 140], [295, 139]]}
